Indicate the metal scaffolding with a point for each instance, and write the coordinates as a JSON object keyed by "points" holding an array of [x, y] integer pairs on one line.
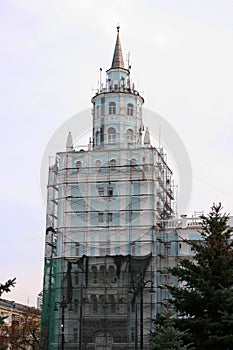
{"points": [[102, 257]]}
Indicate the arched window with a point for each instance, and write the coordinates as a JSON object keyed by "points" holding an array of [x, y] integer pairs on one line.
{"points": [[129, 135], [133, 163], [129, 109], [111, 135], [112, 107], [112, 164], [98, 163]]}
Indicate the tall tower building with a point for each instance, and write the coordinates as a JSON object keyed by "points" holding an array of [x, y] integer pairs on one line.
{"points": [[105, 206]]}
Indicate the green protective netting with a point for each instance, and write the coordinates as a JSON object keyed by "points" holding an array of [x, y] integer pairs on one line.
{"points": [[59, 283]]}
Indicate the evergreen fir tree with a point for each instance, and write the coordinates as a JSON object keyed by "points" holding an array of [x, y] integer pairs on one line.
{"points": [[5, 288], [166, 336], [204, 296]]}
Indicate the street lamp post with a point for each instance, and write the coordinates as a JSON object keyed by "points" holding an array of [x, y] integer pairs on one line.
{"points": [[63, 304], [81, 319], [136, 328], [141, 314], [141, 285]]}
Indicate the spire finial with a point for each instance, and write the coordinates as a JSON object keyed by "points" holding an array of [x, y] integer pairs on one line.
{"points": [[118, 61]]}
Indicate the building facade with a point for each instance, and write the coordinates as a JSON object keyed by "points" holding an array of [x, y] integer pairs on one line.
{"points": [[21, 326], [111, 228]]}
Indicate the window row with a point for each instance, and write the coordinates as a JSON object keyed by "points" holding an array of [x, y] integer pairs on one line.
{"points": [[112, 109], [97, 274], [104, 218], [111, 135], [108, 193], [78, 250], [98, 164], [112, 163], [98, 304]]}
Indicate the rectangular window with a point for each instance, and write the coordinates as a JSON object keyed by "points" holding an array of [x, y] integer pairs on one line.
{"points": [[109, 217], [112, 108], [133, 248], [101, 217], [76, 310], [111, 138], [110, 192], [101, 191], [77, 249]]}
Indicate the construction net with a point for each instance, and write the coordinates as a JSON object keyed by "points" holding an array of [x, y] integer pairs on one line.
{"points": [[96, 302]]}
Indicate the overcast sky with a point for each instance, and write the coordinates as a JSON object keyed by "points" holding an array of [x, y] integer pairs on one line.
{"points": [[181, 55]]}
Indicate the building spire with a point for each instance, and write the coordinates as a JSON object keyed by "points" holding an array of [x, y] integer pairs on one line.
{"points": [[118, 61]]}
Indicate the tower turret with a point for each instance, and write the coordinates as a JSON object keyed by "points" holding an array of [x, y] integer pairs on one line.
{"points": [[117, 108], [147, 137], [69, 143]]}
